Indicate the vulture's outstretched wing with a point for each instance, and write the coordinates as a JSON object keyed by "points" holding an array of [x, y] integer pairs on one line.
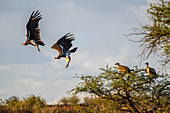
{"points": [[56, 47], [33, 32], [64, 43]]}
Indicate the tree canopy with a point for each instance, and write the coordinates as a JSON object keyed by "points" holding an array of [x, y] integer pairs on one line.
{"points": [[136, 91], [155, 37]]}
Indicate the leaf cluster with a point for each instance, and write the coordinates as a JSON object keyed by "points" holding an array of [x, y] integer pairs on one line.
{"points": [[73, 100], [155, 37], [136, 90], [31, 104]]}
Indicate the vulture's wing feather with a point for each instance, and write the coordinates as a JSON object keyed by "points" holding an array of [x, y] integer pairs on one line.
{"points": [[33, 32], [152, 70], [127, 69], [65, 41], [63, 38], [56, 47]]}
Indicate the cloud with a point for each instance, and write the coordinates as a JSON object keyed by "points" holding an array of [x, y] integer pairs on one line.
{"points": [[21, 80], [141, 10], [98, 27]]}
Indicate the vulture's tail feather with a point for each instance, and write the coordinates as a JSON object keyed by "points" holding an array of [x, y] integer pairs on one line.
{"points": [[73, 50]]}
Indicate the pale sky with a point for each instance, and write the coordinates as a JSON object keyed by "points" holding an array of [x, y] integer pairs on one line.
{"points": [[99, 27]]}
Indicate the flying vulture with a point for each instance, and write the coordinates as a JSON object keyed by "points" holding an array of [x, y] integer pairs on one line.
{"points": [[33, 32], [63, 46], [123, 69], [150, 70]]}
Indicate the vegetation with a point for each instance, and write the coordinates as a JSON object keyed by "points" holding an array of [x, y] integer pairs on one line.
{"points": [[155, 37], [134, 92], [64, 101], [90, 105], [112, 91], [74, 100], [26, 105]]}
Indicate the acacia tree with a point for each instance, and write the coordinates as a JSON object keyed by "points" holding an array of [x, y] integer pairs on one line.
{"points": [[135, 92], [155, 37]]}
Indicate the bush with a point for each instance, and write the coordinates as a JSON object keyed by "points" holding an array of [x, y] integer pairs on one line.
{"points": [[64, 101], [26, 105], [74, 100]]}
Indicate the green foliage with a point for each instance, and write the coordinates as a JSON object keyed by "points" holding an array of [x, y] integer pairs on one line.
{"points": [[156, 37], [34, 102], [12, 101], [64, 101], [87, 100], [159, 33], [74, 100], [31, 104], [1, 104], [137, 91], [95, 105]]}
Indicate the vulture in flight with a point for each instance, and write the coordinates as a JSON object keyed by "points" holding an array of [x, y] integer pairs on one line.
{"points": [[123, 69], [150, 70], [33, 32], [63, 46]]}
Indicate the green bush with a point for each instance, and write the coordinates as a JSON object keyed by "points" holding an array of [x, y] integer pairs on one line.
{"points": [[74, 100], [64, 101], [26, 105]]}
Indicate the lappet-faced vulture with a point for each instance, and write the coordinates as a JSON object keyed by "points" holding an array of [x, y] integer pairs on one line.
{"points": [[63, 46], [33, 31]]}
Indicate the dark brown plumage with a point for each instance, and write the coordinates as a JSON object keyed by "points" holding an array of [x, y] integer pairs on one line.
{"points": [[123, 69], [33, 31], [63, 45]]}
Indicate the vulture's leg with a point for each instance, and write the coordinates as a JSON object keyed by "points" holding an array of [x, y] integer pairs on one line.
{"points": [[37, 47]]}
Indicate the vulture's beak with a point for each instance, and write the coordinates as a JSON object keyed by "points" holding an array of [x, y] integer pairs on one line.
{"points": [[56, 58], [24, 44]]}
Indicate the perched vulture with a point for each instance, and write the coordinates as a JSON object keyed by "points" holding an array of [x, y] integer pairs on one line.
{"points": [[123, 69], [150, 70], [63, 46], [33, 32]]}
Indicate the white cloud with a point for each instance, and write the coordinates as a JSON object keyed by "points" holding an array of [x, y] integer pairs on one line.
{"points": [[139, 11], [22, 80], [99, 37]]}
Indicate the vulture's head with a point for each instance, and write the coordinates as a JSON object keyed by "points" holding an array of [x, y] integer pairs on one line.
{"points": [[147, 63], [27, 42], [58, 57], [117, 63]]}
